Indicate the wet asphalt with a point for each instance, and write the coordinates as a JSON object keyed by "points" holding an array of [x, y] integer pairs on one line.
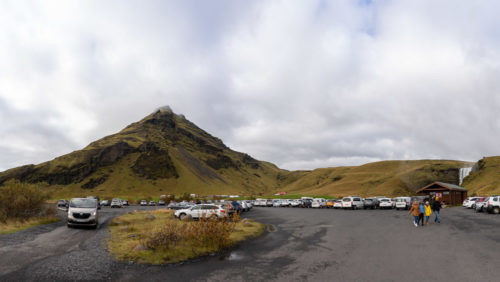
{"points": [[301, 245]]}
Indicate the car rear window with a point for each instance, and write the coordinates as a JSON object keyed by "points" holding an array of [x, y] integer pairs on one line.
{"points": [[346, 199]]}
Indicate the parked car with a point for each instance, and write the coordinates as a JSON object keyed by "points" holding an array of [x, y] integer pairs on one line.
{"points": [[479, 206], [493, 205], [306, 203], [276, 203], [203, 210], [403, 203], [63, 204], [116, 203], [161, 202], [125, 203], [244, 206], [269, 203], [284, 203], [473, 206], [467, 203], [144, 203], [105, 203], [329, 203], [352, 202], [296, 203], [152, 203], [370, 203], [385, 203], [318, 203], [83, 211], [337, 204]]}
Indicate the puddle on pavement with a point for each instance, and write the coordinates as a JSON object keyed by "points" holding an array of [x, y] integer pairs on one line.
{"points": [[233, 256]]}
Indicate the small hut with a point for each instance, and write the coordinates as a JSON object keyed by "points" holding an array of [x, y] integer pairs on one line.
{"points": [[451, 194]]}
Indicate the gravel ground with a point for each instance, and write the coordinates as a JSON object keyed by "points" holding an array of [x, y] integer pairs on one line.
{"points": [[303, 245]]}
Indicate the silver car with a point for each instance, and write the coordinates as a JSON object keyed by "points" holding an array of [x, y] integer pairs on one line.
{"points": [[83, 211]]}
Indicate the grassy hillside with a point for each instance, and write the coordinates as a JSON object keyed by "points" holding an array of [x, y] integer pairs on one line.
{"points": [[486, 179], [389, 178]]}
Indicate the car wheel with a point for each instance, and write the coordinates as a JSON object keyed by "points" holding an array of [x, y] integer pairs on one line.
{"points": [[67, 225], [182, 216], [214, 217], [496, 210]]}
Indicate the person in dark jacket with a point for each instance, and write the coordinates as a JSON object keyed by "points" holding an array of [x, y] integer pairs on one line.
{"points": [[436, 207], [421, 213]]}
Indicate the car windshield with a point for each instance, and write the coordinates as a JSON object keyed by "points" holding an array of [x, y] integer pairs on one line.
{"points": [[384, 200], [346, 199], [83, 203]]}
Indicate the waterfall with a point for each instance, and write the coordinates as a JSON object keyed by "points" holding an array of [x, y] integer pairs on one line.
{"points": [[462, 173]]}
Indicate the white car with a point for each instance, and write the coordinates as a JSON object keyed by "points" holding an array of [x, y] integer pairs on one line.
{"points": [[83, 211], [469, 202], [493, 205], [276, 203], [116, 203], [403, 203], [318, 203], [204, 210], [352, 202], [337, 204], [385, 203], [296, 203]]}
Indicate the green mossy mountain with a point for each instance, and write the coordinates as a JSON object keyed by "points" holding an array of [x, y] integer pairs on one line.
{"points": [[165, 153]]}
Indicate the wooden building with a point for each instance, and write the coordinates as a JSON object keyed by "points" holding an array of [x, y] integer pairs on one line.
{"points": [[448, 193]]}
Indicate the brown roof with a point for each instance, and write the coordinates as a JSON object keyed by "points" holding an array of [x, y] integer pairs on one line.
{"points": [[446, 186]]}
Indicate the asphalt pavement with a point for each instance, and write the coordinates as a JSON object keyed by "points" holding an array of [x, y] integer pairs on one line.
{"points": [[300, 245]]}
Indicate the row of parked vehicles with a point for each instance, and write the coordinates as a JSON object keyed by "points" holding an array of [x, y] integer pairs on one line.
{"points": [[349, 202], [210, 209], [489, 204]]}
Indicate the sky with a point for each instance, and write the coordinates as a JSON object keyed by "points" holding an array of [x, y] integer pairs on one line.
{"points": [[301, 84]]}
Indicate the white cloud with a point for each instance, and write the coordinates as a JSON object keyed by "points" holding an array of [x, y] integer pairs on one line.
{"points": [[303, 84]]}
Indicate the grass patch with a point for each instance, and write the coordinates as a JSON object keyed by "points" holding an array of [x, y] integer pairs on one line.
{"points": [[156, 237], [12, 226]]}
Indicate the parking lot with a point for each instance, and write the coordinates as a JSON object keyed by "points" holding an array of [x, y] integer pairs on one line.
{"points": [[301, 245]]}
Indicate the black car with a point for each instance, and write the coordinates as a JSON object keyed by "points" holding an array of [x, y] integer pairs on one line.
{"points": [[62, 204], [306, 203]]}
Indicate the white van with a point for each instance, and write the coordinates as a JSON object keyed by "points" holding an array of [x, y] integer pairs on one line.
{"points": [[318, 203], [352, 202], [403, 203]]}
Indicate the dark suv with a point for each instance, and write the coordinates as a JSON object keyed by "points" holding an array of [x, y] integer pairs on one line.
{"points": [[370, 203], [306, 203]]}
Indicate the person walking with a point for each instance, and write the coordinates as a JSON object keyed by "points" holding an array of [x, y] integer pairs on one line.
{"points": [[421, 209], [416, 211], [436, 207], [428, 212]]}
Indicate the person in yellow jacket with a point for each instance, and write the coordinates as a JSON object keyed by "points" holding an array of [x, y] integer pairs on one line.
{"points": [[428, 212]]}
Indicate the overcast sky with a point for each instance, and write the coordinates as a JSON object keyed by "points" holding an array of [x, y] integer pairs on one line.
{"points": [[302, 84]]}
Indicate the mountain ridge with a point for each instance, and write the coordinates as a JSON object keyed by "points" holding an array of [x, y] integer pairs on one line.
{"points": [[164, 153]]}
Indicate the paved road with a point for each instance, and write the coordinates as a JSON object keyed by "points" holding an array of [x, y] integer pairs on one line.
{"points": [[307, 245]]}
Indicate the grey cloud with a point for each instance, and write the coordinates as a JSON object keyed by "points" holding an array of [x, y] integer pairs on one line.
{"points": [[302, 84]]}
